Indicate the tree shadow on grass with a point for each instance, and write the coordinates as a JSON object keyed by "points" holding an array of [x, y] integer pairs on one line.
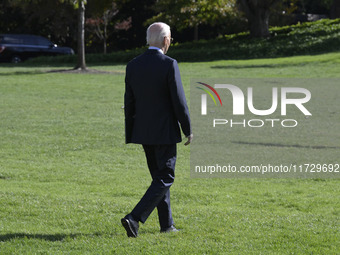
{"points": [[237, 66], [244, 66], [86, 71], [46, 237], [70, 71], [33, 72], [288, 145]]}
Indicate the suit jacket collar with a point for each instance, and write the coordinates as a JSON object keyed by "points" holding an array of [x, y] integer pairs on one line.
{"points": [[153, 51], [156, 48]]}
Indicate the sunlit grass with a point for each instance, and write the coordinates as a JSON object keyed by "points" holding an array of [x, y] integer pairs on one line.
{"points": [[66, 176]]}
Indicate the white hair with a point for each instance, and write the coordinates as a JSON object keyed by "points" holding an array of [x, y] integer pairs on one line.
{"points": [[156, 32]]}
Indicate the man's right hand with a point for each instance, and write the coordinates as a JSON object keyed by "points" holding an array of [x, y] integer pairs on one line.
{"points": [[190, 137]]}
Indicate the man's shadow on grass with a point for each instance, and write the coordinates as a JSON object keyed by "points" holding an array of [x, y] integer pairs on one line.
{"points": [[46, 237]]}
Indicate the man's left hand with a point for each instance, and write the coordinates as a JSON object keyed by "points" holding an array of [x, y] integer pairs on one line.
{"points": [[190, 137]]}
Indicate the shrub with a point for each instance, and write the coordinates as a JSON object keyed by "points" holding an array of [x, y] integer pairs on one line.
{"points": [[307, 38]]}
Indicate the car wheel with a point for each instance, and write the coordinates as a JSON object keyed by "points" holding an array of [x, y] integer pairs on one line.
{"points": [[16, 59]]}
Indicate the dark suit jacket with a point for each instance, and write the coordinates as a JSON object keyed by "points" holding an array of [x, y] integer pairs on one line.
{"points": [[154, 100]]}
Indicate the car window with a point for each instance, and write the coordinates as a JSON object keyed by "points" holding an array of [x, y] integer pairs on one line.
{"points": [[30, 40], [43, 41], [12, 40]]}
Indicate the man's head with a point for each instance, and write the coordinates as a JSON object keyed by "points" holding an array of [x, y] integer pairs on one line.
{"points": [[159, 35]]}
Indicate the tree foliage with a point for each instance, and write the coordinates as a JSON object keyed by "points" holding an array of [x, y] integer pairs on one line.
{"points": [[190, 13], [134, 13], [49, 18], [99, 24], [58, 19]]}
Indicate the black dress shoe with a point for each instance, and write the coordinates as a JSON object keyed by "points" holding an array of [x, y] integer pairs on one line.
{"points": [[131, 226], [169, 229]]}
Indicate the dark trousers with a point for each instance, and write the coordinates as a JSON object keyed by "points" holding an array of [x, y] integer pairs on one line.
{"points": [[161, 160]]}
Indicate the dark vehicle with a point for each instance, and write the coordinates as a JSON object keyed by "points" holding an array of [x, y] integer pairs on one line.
{"points": [[19, 47]]}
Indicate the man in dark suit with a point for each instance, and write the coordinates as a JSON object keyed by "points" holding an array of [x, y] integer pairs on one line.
{"points": [[155, 111]]}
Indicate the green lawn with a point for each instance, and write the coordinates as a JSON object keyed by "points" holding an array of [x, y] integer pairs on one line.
{"points": [[66, 176]]}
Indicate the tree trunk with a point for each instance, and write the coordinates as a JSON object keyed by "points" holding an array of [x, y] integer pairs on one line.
{"points": [[105, 36], [258, 23], [81, 36], [257, 13], [196, 32], [335, 9]]}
